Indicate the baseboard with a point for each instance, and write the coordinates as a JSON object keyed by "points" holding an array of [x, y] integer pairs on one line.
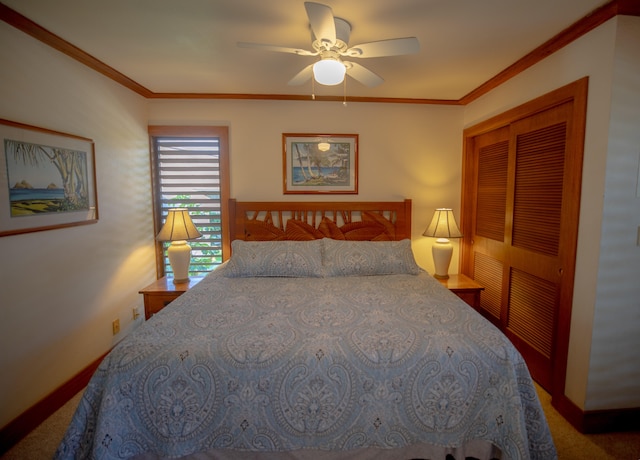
{"points": [[22, 425], [600, 421], [612, 420]]}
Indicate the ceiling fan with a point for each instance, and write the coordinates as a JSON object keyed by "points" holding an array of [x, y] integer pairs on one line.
{"points": [[330, 41]]}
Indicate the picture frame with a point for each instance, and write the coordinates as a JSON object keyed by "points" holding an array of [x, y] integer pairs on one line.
{"points": [[320, 163], [47, 179]]}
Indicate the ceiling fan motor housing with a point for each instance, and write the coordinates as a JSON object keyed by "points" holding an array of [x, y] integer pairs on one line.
{"points": [[343, 32]]}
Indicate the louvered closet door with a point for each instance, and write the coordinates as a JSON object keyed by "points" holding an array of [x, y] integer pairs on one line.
{"points": [[488, 255], [523, 218]]}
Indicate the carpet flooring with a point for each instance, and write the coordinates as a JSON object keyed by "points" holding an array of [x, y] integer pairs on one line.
{"points": [[570, 444]]}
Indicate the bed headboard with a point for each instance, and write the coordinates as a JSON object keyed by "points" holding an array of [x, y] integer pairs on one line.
{"points": [[276, 220]]}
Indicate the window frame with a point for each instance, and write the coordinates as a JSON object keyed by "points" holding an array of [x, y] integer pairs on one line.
{"points": [[219, 132]]}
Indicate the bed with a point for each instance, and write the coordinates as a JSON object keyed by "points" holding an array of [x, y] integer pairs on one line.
{"points": [[320, 338]]}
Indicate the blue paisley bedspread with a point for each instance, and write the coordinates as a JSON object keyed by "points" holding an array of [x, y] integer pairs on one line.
{"points": [[273, 365]]}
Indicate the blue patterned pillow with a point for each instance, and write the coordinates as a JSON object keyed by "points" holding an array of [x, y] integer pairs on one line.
{"points": [[361, 258], [275, 258]]}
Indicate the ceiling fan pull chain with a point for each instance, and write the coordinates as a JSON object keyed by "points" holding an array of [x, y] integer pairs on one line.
{"points": [[344, 102], [313, 89]]}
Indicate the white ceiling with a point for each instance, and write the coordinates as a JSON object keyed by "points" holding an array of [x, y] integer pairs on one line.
{"points": [[189, 46]]}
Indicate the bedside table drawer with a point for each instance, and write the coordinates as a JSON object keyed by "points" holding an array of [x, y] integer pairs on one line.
{"points": [[465, 288], [472, 298], [162, 292], [154, 303]]}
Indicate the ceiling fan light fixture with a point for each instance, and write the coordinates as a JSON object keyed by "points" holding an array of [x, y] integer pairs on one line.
{"points": [[329, 72]]}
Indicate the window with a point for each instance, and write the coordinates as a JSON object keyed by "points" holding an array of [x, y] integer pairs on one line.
{"points": [[191, 170]]}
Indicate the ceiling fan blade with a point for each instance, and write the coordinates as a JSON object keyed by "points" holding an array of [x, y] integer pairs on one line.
{"points": [[322, 22], [277, 49], [392, 47], [363, 75], [302, 77]]}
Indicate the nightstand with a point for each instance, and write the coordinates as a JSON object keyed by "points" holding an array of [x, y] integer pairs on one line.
{"points": [[465, 288], [161, 293]]}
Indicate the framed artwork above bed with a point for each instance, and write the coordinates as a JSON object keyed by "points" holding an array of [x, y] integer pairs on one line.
{"points": [[320, 163]]}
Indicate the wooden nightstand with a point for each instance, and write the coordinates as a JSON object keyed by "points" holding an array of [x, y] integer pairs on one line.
{"points": [[161, 293], [465, 288]]}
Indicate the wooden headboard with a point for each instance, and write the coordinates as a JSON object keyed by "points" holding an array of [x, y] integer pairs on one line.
{"points": [[275, 220]]}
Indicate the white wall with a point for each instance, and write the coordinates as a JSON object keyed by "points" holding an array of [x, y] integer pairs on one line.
{"points": [[61, 289], [405, 151], [614, 372], [603, 365]]}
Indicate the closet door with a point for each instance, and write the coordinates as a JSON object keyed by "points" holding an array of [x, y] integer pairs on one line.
{"points": [[535, 264], [522, 181], [486, 258]]}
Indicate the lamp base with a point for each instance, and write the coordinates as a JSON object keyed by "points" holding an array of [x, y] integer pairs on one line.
{"points": [[442, 251], [179, 253]]}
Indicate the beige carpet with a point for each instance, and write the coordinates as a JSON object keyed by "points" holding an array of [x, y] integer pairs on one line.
{"points": [[571, 445], [42, 442]]}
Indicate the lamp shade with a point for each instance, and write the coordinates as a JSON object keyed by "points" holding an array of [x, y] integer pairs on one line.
{"points": [[178, 226], [443, 225], [329, 72]]}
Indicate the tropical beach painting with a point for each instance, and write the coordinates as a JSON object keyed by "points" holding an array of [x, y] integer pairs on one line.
{"points": [[320, 163], [49, 179], [45, 178]]}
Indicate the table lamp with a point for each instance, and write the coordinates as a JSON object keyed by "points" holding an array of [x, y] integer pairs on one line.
{"points": [[178, 228], [443, 226]]}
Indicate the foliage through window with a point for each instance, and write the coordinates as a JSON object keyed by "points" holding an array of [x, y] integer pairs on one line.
{"points": [[190, 172]]}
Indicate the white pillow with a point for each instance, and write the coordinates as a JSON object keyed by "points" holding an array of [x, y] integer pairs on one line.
{"points": [[361, 258], [275, 258]]}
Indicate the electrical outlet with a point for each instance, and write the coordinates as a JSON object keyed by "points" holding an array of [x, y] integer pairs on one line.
{"points": [[136, 313], [116, 326]]}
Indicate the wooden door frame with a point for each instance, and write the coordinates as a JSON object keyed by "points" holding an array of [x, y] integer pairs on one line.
{"points": [[575, 92]]}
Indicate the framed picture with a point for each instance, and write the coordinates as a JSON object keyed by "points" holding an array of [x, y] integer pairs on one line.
{"points": [[47, 179], [320, 163]]}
